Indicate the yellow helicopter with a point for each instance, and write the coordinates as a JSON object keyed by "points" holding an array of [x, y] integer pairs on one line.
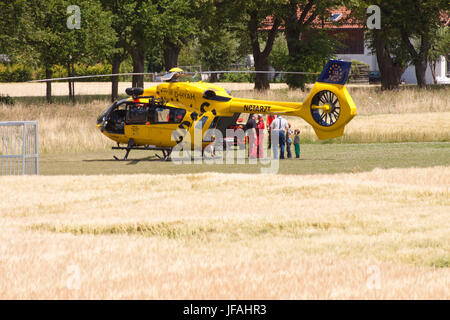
{"points": [[158, 117]]}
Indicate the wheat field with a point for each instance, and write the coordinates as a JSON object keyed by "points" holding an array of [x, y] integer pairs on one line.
{"points": [[382, 234]]}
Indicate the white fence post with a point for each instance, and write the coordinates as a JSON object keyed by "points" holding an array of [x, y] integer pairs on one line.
{"points": [[19, 148]]}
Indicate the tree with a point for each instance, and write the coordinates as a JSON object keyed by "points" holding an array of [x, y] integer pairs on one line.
{"points": [[93, 41], [418, 22], [386, 42], [257, 25], [217, 51], [308, 48], [120, 11], [45, 35], [43, 24], [135, 23], [279, 56], [10, 15], [178, 25], [407, 29], [217, 41], [258, 12]]}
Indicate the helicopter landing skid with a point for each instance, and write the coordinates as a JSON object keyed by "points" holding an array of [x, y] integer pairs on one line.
{"points": [[166, 151]]}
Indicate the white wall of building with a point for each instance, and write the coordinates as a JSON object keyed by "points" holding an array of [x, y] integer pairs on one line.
{"points": [[409, 75]]}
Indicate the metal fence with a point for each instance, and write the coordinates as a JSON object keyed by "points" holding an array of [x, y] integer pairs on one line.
{"points": [[19, 150]]}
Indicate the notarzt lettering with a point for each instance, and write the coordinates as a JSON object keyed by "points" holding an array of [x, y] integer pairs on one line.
{"points": [[256, 108]]}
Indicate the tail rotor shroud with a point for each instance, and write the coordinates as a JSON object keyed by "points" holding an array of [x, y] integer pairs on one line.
{"points": [[325, 108]]}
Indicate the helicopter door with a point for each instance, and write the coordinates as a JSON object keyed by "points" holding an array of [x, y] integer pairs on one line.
{"points": [[135, 120], [200, 127], [164, 121]]}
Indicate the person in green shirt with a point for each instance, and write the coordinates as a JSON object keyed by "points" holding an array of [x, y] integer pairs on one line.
{"points": [[297, 143]]}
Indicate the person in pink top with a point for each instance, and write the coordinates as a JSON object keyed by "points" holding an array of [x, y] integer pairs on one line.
{"points": [[260, 133]]}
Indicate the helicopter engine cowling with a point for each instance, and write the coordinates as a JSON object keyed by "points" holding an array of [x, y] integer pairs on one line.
{"points": [[134, 92]]}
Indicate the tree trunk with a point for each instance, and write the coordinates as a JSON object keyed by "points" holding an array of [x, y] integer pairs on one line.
{"points": [[117, 60], [262, 79], [213, 77], [293, 36], [391, 72], [69, 74], [48, 75], [420, 59], [260, 57], [432, 64], [171, 52], [421, 68], [73, 82], [295, 25], [138, 67]]}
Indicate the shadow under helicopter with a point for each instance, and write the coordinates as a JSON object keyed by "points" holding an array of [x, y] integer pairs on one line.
{"points": [[198, 160]]}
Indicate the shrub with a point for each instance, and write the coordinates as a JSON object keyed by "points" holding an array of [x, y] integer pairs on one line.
{"points": [[15, 73], [237, 77], [6, 100]]}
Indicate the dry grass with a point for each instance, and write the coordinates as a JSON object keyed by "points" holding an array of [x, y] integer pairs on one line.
{"points": [[223, 237], [408, 127], [408, 115], [62, 128]]}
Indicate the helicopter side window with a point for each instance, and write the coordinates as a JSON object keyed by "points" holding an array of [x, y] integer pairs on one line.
{"points": [[166, 115], [162, 115], [137, 114], [176, 115]]}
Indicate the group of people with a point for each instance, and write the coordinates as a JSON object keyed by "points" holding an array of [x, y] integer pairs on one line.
{"points": [[279, 130], [255, 130]]}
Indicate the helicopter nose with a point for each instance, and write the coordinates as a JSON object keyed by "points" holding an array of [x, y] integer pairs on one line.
{"points": [[100, 127]]}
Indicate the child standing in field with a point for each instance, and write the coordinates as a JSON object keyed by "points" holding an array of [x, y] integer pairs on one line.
{"points": [[297, 143], [289, 133]]}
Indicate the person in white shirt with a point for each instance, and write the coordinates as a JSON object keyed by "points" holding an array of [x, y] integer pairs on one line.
{"points": [[278, 128]]}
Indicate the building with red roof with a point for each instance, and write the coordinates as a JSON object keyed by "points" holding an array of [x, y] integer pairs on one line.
{"points": [[351, 34]]}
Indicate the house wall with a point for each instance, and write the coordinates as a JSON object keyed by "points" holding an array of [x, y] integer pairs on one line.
{"points": [[409, 75], [442, 71]]}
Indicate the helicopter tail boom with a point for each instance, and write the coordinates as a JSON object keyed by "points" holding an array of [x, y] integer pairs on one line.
{"points": [[328, 107]]}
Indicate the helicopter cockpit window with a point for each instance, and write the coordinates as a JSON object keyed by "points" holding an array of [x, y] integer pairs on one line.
{"points": [[114, 117]]}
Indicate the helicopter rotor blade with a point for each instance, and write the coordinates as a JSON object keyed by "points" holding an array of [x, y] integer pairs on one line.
{"points": [[252, 71], [97, 76], [169, 76]]}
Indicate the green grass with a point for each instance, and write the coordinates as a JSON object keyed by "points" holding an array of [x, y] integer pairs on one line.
{"points": [[315, 159]]}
